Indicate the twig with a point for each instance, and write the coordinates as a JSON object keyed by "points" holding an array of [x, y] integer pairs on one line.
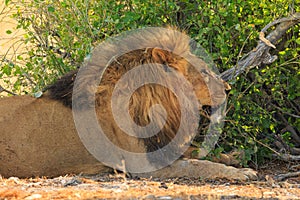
{"points": [[282, 177], [260, 55], [29, 79], [288, 157], [292, 115], [295, 151], [290, 129], [285, 157], [266, 146], [7, 91], [266, 41]]}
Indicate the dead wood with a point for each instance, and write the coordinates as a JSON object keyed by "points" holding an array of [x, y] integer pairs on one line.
{"points": [[261, 55], [282, 177], [288, 157]]}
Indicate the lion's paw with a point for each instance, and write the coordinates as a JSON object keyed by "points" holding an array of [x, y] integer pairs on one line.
{"points": [[204, 169], [245, 174]]}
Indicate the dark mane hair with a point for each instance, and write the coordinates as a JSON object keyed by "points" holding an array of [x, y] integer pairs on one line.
{"points": [[62, 89]]}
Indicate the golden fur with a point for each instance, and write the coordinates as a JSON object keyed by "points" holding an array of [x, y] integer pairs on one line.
{"points": [[39, 137]]}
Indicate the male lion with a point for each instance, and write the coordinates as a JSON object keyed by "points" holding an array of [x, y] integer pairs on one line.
{"points": [[39, 137]]}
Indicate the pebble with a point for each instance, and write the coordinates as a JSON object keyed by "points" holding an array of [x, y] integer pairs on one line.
{"points": [[33, 196]]}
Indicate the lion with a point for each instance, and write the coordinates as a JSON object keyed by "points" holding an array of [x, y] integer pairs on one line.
{"points": [[39, 136]]}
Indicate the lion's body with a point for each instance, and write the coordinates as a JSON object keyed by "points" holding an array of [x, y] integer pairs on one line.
{"points": [[39, 138]]}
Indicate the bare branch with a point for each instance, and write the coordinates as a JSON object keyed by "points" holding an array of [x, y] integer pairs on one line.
{"points": [[288, 157], [290, 129], [290, 114], [282, 177], [7, 91], [260, 55]]}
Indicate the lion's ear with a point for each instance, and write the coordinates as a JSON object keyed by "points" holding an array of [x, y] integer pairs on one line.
{"points": [[159, 55]]}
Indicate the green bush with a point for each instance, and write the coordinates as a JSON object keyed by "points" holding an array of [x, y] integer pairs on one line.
{"points": [[62, 34]]}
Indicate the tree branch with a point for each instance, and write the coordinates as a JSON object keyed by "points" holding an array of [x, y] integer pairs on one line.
{"points": [[260, 55]]}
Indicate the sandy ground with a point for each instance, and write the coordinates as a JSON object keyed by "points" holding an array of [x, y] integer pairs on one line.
{"points": [[11, 44], [8, 42]]}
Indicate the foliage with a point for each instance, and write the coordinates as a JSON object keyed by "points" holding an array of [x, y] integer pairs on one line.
{"points": [[60, 34]]}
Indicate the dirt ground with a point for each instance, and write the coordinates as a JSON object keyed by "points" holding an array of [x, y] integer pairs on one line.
{"points": [[118, 186]]}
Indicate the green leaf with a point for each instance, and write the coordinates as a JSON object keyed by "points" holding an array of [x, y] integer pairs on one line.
{"points": [[265, 123], [6, 2], [51, 9], [8, 32]]}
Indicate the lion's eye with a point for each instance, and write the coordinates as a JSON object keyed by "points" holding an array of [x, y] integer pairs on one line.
{"points": [[203, 71]]}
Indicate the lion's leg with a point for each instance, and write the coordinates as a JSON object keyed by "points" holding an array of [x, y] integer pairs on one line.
{"points": [[202, 169]]}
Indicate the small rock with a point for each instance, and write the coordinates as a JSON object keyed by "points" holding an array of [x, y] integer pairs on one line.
{"points": [[268, 194], [15, 179], [163, 185], [34, 196], [165, 197], [72, 182], [149, 197]]}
